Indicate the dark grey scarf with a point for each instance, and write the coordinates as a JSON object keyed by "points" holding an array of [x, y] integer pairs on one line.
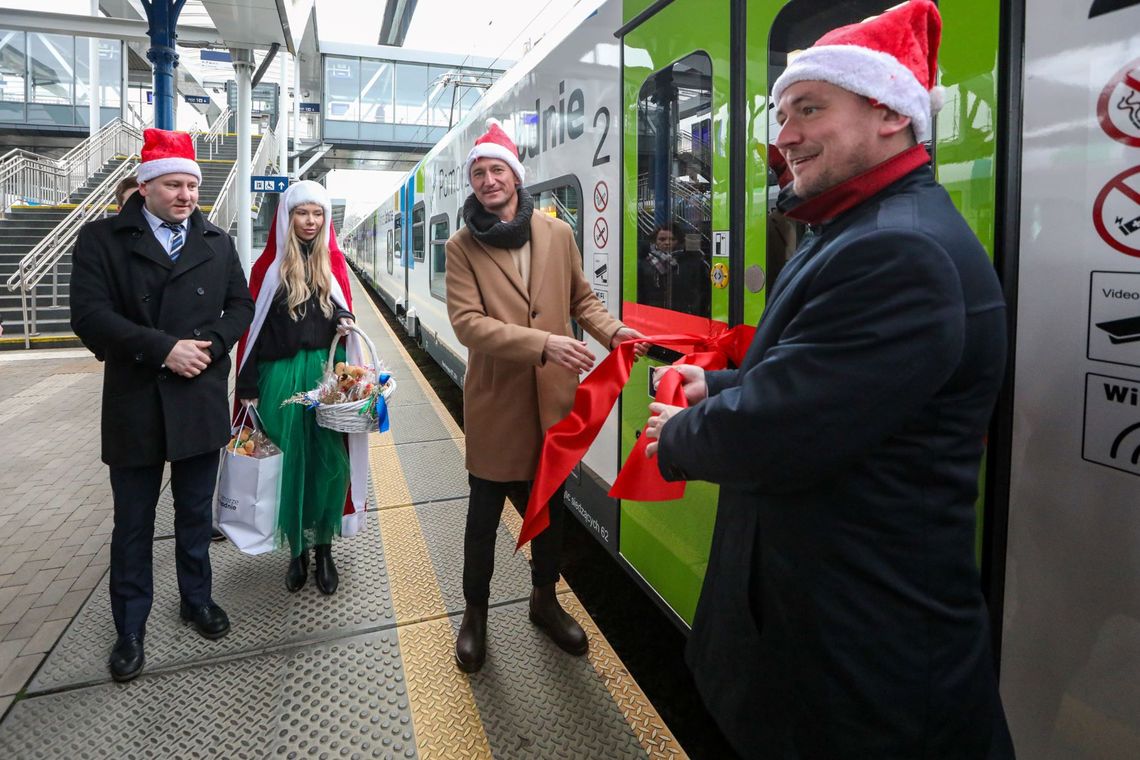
{"points": [[490, 230]]}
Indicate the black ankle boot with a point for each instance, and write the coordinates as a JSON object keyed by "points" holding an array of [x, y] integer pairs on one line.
{"points": [[325, 571], [471, 643], [298, 572], [563, 630]]}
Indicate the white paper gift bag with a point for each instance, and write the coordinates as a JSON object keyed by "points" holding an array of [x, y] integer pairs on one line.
{"points": [[245, 504]]}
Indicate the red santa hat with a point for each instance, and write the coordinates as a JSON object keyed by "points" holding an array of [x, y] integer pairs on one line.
{"points": [[166, 152], [494, 143], [891, 59]]}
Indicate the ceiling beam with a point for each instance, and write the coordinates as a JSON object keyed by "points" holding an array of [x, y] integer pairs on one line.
{"points": [[397, 19], [103, 28]]}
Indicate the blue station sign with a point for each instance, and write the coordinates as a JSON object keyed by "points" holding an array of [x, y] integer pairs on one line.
{"points": [[268, 184], [198, 99]]}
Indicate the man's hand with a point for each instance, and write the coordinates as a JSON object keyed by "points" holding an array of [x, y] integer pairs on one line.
{"points": [[569, 353], [189, 357], [661, 413], [692, 381], [628, 333], [345, 326]]}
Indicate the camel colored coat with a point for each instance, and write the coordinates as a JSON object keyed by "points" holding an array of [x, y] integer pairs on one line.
{"points": [[509, 396]]}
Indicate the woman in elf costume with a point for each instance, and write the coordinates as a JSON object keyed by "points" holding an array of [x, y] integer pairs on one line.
{"points": [[300, 285]]}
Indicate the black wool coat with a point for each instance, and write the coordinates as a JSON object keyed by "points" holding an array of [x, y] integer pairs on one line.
{"points": [[841, 614], [130, 304]]}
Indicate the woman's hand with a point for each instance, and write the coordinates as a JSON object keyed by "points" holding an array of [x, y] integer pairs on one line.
{"points": [[345, 326]]}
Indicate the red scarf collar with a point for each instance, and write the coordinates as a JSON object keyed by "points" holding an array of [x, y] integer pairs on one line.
{"points": [[850, 193]]}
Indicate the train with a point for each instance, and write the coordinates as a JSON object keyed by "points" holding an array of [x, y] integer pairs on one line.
{"points": [[635, 116]]}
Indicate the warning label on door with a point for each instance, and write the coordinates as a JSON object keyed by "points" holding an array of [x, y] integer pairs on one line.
{"points": [[601, 269], [1116, 212], [1114, 318], [1112, 422], [1118, 109]]}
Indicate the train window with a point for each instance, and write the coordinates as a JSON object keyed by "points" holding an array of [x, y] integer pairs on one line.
{"points": [[389, 252], [439, 235], [418, 214], [797, 26], [674, 184], [561, 198]]}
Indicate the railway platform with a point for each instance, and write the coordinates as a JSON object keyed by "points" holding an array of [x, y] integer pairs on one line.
{"points": [[367, 672]]}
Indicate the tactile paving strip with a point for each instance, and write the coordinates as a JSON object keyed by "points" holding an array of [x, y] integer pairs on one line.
{"points": [[442, 525], [448, 725], [536, 701], [252, 591], [342, 699], [415, 595]]}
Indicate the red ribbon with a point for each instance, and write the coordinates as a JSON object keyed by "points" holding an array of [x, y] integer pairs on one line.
{"points": [[566, 442]]}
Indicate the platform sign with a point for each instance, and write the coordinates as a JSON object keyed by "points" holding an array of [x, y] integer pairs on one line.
{"points": [[310, 107], [268, 184], [197, 99]]}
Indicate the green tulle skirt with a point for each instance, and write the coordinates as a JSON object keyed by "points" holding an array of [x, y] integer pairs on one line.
{"points": [[315, 470]]}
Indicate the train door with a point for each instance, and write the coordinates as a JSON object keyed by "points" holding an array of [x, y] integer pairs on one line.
{"points": [[675, 263], [696, 78]]}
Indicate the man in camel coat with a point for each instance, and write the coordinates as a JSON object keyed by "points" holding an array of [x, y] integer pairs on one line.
{"points": [[514, 280]]}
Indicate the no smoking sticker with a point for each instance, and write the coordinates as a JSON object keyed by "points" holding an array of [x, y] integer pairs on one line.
{"points": [[601, 196], [601, 233], [1116, 212], [1118, 109]]}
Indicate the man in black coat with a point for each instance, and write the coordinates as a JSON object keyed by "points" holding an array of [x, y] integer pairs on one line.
{"points": [[158, 293], [841, 614]]}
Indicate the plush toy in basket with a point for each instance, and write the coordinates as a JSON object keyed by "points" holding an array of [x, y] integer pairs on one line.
{"points": [[351, 398]]}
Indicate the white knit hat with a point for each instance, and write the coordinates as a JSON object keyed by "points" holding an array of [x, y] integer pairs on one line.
{"points": [[494, 143], [891, 59]]}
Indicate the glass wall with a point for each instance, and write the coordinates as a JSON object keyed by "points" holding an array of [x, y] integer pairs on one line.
{"points": [[393, 101], [44, 78]]}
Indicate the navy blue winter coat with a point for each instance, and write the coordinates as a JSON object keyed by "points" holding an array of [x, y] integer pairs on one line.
{"points": [[841, 614]]}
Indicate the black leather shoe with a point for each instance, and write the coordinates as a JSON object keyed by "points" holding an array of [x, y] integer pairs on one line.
{"points": [[563, 630], [210, 619], [298, 572], [217, 535], [127, 657], [471, 643], [325, 571]]}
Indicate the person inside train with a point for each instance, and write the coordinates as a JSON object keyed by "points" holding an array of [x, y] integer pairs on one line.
{"points": [[656, 267], [514, 281], [841, 614], [302, 303]]}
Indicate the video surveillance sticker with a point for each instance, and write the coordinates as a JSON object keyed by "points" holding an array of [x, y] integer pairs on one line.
{"points": [[1114, 318]]}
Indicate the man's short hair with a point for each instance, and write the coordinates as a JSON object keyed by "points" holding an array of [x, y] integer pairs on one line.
{"points": [[125, 184]]}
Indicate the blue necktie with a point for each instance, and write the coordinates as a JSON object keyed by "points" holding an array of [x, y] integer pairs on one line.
{"points": [[177, 239]]}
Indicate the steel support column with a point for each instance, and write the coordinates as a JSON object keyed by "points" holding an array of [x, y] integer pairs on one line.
{"points": [[93, 77], [243, 69], [283, 119], [296, 131], [162, 16]]}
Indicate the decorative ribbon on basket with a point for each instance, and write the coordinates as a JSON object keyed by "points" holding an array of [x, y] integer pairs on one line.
{"points": [[566, 442], [359, 415]]}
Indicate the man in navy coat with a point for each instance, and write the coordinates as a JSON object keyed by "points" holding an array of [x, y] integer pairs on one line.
{"points": [[841, 614]]}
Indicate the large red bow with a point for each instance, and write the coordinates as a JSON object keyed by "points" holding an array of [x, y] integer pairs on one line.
{"points": [[566, 442]]}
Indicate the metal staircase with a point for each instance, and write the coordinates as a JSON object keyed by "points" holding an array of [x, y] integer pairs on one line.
{"points": [[37, 237]]}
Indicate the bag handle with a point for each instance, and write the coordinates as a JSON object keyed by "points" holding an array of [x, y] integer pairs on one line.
{"points": [[330, 364], [248, 414]]}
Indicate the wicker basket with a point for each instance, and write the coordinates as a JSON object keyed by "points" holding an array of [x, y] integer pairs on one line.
{"points": [[349, 417]]}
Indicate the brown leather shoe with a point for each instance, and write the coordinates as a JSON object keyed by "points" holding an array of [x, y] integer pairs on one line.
{"points": [[563, 630], [471, 643]]}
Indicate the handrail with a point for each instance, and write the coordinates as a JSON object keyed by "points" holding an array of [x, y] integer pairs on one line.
{"points": [[44, 258], [32, 178], [217, 131], [225, 205]]}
